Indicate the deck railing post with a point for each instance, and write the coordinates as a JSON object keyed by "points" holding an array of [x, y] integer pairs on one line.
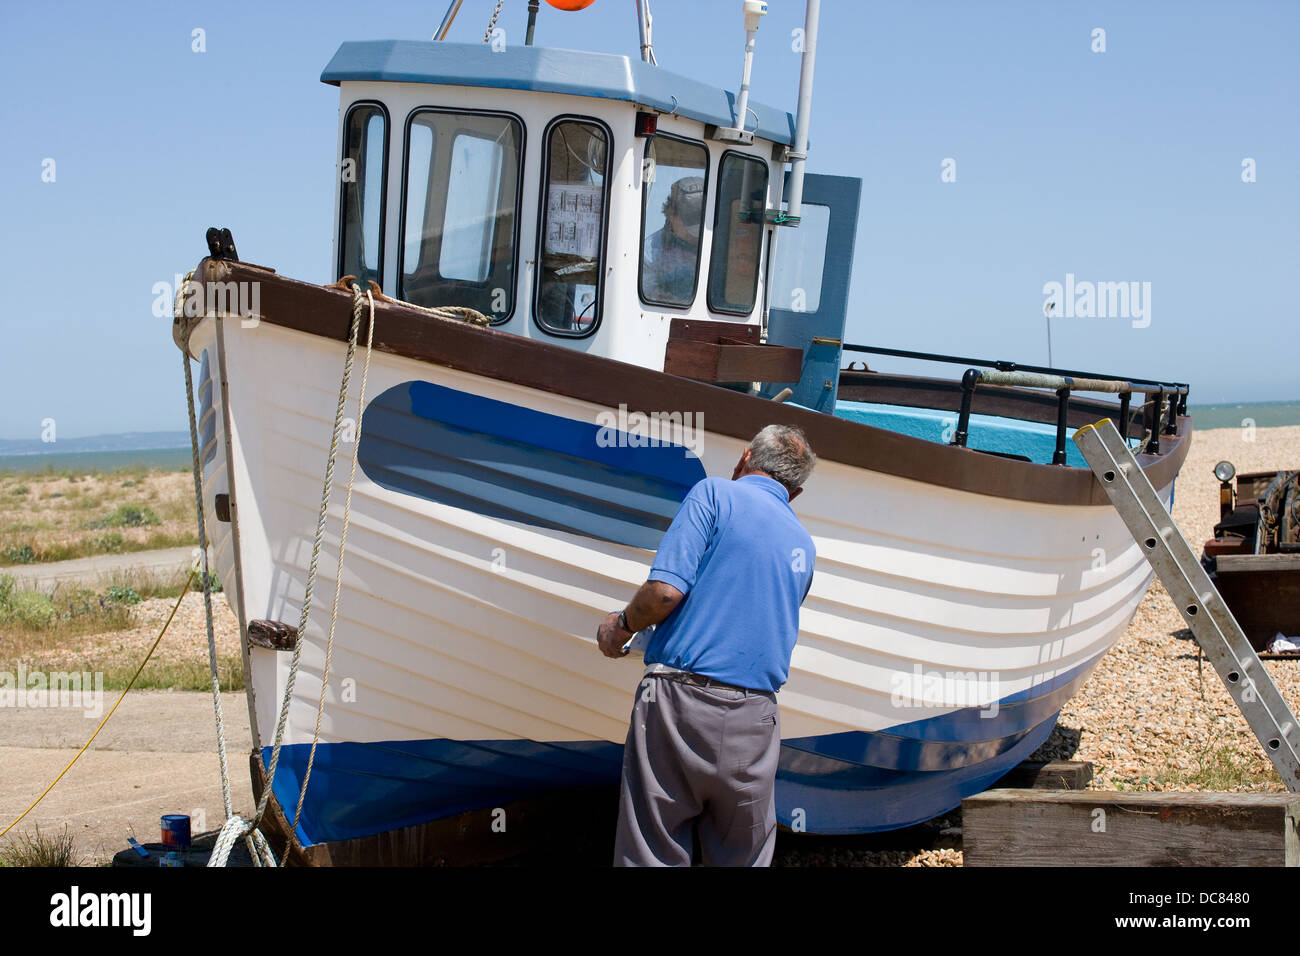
{"points": [[1062, 414], [968, 382], [1152, 417], [1171, 427], [1124, 399]]}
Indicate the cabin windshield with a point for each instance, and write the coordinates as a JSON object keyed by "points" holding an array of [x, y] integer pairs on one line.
{"points": [[737, 233], [675, 183], [575, 192], [460, 209]]}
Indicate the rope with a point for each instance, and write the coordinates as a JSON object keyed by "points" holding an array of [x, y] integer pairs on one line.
{"points": [[258, 849], [487, 36], [343, 544], [235, 826], [207, 593], [131, 684]]}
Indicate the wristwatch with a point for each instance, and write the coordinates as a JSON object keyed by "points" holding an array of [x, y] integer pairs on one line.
{"points": [[622, 621]]}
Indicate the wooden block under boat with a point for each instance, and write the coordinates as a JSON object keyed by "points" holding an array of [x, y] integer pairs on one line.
{"points": [[727, 352], [1048, 775], [1103, 828]]}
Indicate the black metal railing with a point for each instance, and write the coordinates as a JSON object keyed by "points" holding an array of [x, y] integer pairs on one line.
{"points": [[1158, 415]]}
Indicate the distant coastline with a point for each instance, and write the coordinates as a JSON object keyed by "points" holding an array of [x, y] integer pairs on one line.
{"points": [[122, 441], [168, 450], [88, 462]]}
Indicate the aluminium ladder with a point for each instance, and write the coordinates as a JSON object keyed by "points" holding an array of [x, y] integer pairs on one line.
{"points": [[1212, 624]]}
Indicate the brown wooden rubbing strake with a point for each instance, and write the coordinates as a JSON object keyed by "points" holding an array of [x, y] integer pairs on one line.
{"points": [[406, 331]]}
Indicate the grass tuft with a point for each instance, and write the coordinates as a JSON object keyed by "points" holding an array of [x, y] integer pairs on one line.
{"points": [[127, 516], [28, 850]]}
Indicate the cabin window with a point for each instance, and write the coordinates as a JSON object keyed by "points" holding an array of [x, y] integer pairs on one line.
{"points": [[737, 233], [572, 240], [674, 185], [460, 210], [364, 179], [799, 261]]}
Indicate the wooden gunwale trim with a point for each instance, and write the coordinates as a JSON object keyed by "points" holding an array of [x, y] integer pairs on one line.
{"points": [[532, 363]]}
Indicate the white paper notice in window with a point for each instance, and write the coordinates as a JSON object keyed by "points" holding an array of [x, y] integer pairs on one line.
{"points": [[573, 220]]}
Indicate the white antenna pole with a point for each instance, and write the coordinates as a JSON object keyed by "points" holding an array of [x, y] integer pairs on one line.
{"points": [[798, 154], [754, 9]]}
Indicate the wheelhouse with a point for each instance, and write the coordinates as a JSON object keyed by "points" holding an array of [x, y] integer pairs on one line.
{"points": [[589, 200]]}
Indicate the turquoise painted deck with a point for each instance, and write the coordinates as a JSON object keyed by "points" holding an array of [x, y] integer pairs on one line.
{"points": [[1009, 436]]}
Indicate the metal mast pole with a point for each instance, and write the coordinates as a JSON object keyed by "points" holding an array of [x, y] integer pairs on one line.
{"points": [[644, 24], [798, 154], [532, 20], [446, 20]]}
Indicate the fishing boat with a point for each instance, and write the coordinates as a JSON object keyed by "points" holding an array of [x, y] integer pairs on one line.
{"points": [[600, 280]]}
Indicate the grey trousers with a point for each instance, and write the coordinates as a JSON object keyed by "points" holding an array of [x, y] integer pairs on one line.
{"points": [[702, 759]]}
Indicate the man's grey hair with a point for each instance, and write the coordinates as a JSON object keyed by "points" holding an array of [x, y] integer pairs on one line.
{"points": [[782, 451]]}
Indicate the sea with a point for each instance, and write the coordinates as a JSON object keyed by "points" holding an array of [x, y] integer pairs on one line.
{"points": [[92, 462], [1204, 417], [1262, 414]]}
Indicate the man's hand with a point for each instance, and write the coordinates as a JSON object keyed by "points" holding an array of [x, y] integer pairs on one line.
{"points": [[650, 606], [611, 637]]}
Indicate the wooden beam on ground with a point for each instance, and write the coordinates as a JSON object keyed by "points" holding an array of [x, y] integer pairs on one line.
{"points": [[1023, 827], [1048, 775]]}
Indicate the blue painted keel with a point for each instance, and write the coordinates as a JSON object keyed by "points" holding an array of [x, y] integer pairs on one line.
{"points": [[857, 782]]}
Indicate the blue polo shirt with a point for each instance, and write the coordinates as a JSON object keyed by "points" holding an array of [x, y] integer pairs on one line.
{"points": [[745, 563]]}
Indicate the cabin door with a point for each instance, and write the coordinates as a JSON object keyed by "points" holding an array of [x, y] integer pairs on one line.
{"points": [[811, 269]]}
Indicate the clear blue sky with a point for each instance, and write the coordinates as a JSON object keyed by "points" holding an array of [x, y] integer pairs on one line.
{"points": [[1123, 165]]}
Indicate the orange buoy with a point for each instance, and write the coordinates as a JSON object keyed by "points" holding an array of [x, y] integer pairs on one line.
{"points": [[570, 4]]}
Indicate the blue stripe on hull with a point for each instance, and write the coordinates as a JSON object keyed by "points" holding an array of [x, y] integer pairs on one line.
{"points": [[841, 798], [856, 782], [507, 461], [954, 740]]}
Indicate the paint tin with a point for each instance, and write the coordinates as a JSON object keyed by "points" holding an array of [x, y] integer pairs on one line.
{"points": [[176, 831]]}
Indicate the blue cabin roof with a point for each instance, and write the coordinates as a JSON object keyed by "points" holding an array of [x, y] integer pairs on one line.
{"points": [[519, 67]]}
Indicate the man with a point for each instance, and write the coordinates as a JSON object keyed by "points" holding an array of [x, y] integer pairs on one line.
{"points": [[672, 253], [723, 594]]}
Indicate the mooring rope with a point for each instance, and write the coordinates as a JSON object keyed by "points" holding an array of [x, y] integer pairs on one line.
{"points": [[343, 544], [235, 826], [214, 676]]}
